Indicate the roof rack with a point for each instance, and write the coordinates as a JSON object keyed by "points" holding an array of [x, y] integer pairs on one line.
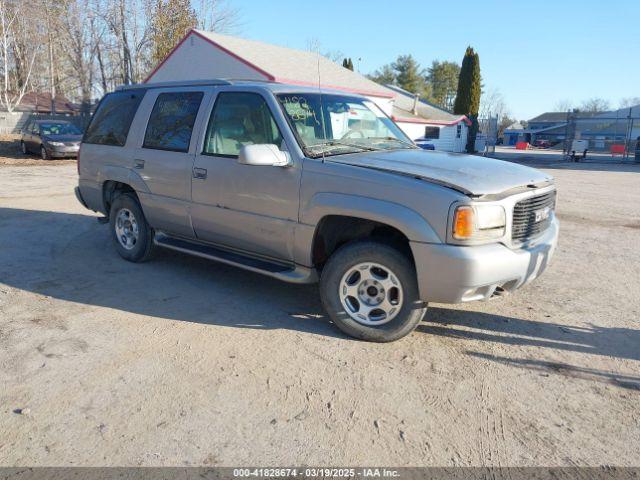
{"points": [[176, 83]]}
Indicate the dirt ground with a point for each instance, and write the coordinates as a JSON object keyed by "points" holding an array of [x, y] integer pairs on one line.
{"points": [[180, 361]]}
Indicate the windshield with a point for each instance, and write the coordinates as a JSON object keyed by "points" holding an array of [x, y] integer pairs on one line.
{"points": [[341, 125], [59, 129]]}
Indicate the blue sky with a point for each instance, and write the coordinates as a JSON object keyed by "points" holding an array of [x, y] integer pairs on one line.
{"points": [[535, 53]]}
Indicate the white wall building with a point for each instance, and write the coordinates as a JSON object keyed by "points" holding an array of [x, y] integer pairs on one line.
{"points": [[427, 123], [202, 55]]}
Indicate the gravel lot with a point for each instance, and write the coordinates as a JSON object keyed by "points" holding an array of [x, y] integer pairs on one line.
{"points": [[186, 362]]}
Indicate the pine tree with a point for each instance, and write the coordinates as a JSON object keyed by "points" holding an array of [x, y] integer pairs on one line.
{"points": [[350, 66], [347, 63], [468, 97], [384, 76], [443, 79], [171, 20], [408, 74]]}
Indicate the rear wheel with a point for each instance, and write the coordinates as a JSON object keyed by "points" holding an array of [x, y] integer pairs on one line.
{"points": [[132, 235], [370, 291]]}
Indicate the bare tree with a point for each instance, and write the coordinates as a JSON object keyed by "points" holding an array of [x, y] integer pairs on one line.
{"points": [[123, 53], [629, 102], [313, 44], [595, 104], [77, 26], [335, 56], [80, 49], [13, 87], [492, 104], [218, 16], [23, 48], [563, 105]]}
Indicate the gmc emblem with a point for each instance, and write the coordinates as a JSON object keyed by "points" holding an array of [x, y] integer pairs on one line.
{"points": [[542, 214]]}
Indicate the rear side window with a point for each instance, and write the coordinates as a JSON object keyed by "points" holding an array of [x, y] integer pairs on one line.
{"points": [[171, 121], [111, 122]]}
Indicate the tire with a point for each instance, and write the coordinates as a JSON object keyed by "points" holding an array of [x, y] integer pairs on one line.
{"points": [[137, 244], [340, 275], [23, 147], [44, 154]]}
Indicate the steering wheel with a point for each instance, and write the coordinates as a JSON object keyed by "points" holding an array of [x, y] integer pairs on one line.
{"points": [[350, 133]]}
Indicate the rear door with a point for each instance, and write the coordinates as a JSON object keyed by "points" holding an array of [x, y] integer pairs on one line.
{"points": [[164, 155], [247, 207]]}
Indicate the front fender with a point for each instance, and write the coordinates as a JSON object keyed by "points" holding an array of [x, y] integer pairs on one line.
{"points": [[408, 221]]}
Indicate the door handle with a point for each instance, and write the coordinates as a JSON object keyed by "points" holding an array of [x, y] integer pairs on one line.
{"points": [[138, 163], [200, 173]]}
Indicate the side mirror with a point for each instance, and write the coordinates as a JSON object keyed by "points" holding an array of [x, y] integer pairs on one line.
{"points": [[265, 154]]}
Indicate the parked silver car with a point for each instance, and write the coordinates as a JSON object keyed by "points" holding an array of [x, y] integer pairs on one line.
{"points": [[304, 186]]}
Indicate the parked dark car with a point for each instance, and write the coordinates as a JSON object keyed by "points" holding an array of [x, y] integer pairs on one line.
{"points": [[542, 144], [51, 138]]}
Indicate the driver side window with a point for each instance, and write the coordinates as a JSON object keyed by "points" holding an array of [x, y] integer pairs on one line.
{"points": [[239, 119]]}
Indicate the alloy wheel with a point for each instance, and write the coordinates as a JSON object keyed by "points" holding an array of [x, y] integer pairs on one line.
{"points": [[371, 294], [126, 227]]}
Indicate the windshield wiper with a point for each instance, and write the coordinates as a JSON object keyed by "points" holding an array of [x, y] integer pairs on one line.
{"points": [[337, 143], [394, 139]]}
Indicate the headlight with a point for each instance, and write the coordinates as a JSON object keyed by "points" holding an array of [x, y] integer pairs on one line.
{"points": [[56, 144], [478, 222]]}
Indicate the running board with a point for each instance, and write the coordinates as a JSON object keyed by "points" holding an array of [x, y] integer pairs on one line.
{"points": [[288, 273]]}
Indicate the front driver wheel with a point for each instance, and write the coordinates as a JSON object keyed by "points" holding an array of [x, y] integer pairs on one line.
{"points": [[370, 291], [23, 147], [132, 235], [44, 154]]}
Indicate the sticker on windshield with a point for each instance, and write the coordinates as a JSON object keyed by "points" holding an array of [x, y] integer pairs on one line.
{"points": [[298, 108]]}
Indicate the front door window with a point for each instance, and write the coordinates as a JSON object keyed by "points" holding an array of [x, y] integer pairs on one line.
{"points": [[239, 119]]}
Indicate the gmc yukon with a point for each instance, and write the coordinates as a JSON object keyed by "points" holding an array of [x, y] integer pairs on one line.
{"points": [[309, 186]]}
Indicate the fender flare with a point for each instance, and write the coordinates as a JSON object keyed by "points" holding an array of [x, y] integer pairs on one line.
{"points": [[408, 221], [124, 175]]}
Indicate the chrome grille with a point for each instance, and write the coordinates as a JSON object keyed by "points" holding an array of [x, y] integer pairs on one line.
{"points": [[532, 216]]}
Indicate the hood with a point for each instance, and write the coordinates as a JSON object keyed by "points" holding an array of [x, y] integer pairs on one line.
{"points": [[63, 138], [470, 174]]}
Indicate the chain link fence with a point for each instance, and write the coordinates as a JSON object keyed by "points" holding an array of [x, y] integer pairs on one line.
{"points": [[614, 133]]}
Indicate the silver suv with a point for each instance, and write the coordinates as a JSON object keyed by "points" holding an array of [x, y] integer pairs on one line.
{"points": [[310, 186]]}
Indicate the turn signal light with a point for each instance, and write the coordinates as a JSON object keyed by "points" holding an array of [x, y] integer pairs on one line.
{"points": [[463, 223]]}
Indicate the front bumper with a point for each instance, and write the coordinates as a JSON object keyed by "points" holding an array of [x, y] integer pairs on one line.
{"points": [[79, 197], [62, 152], [454, 274]]}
